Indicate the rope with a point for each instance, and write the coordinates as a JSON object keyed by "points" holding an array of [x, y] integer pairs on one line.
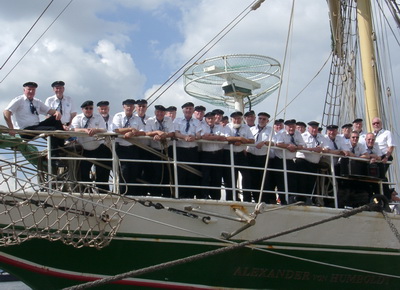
{"points": [[391, 225], [227, 249]]}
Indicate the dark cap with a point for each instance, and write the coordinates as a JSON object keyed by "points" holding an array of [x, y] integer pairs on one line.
{"points": [[160, 108], [347, 126], [188, 104], [264, 114], [171, 109], [58, 84], [249, 113], [358, 120], [30, 84], [225, 118], [278, 121], [313, 123], [290, 122], [209, 115], [320, 129], [87, 103], [103, 103], [332, 127], [300, 123], [236, 114], [199, 108], [129, 102], [141, 102], [218, 112]]}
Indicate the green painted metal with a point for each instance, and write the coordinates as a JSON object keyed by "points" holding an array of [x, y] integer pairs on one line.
{"points": [[244, 268]]}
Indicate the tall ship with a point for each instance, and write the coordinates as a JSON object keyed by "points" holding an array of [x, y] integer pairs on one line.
{"points": [[57, 231]]}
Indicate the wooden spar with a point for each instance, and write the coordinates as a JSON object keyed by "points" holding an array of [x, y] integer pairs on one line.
{"points": [[336, 23], [368, 62]]}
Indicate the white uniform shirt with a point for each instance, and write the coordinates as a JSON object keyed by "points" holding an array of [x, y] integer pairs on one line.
{"points": [[244, 131], [120, 120], [217, 130], [108, 123], [165, 125], [384, 140], [21, 111], [285, 138], [261, 136], [142, 127], [359, 149], [194, 128], [374, 150], [67, 106], [96, 121], [312, 142]]}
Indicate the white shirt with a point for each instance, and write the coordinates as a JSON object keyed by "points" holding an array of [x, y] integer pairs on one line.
{"points": [[194, 128], [311, 142], [384, 140], [165, 125], [285, 138], [359, 149], [261, 136], [22, 115], [96, 121], [142, 127], [67, 106], [244, 131], [120, 120], [375, 150], [217, 130]]}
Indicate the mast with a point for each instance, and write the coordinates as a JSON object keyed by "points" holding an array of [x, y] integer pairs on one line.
{"points": [[368, 61]]}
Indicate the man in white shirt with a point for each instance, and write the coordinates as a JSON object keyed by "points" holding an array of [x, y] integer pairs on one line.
{"points": [[91, 124], [160, 128], [187, 131], [239, 135], [127, 124], [25, 110], [211, 153], [103, 107], [257, 156], [61, 103]]}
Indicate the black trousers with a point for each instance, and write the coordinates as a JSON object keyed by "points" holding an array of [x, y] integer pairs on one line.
{"points": [[212, 175], [129, 170], [161, 173], [278, 179], [240, 159], [185, 177], [257, 177], [102, 170], [305, 183], [49, 124]]}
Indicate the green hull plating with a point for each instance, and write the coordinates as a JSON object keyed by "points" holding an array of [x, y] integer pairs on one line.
{"points": [[52, 265]]}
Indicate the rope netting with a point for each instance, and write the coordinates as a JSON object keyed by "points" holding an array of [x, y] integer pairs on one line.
{"points": [[40, 205]]}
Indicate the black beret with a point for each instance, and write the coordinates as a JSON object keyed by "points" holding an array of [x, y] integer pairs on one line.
{"points": [[171, 109], [141, 102], [30, 84], [313, 123], [129, 102], [225, 118], [264, 114], [160, 108], [300, 123], [218, 112], [188, 104], [199, 108], [103, 103], [58, 84], [87, 103], [320, 129], [289, 122], [358, 120], [347, 126], [332, 127], [209, 114], [249, 113], [236, 114]]}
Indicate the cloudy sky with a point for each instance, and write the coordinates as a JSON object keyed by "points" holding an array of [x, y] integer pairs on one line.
{"points": [[119, 49]]}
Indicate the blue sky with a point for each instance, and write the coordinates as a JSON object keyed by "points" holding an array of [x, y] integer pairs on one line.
{"points": [[118, 49]]}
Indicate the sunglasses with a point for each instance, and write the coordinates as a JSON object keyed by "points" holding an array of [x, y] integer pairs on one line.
{"points": [[88, 108], [376, 123]]}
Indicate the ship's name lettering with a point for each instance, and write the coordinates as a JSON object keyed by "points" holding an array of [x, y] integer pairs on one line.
{"points": [[308, 276], [272, 273], [359, 279]]}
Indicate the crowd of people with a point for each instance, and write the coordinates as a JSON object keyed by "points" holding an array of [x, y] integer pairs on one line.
{"points": [[294, 144]]}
